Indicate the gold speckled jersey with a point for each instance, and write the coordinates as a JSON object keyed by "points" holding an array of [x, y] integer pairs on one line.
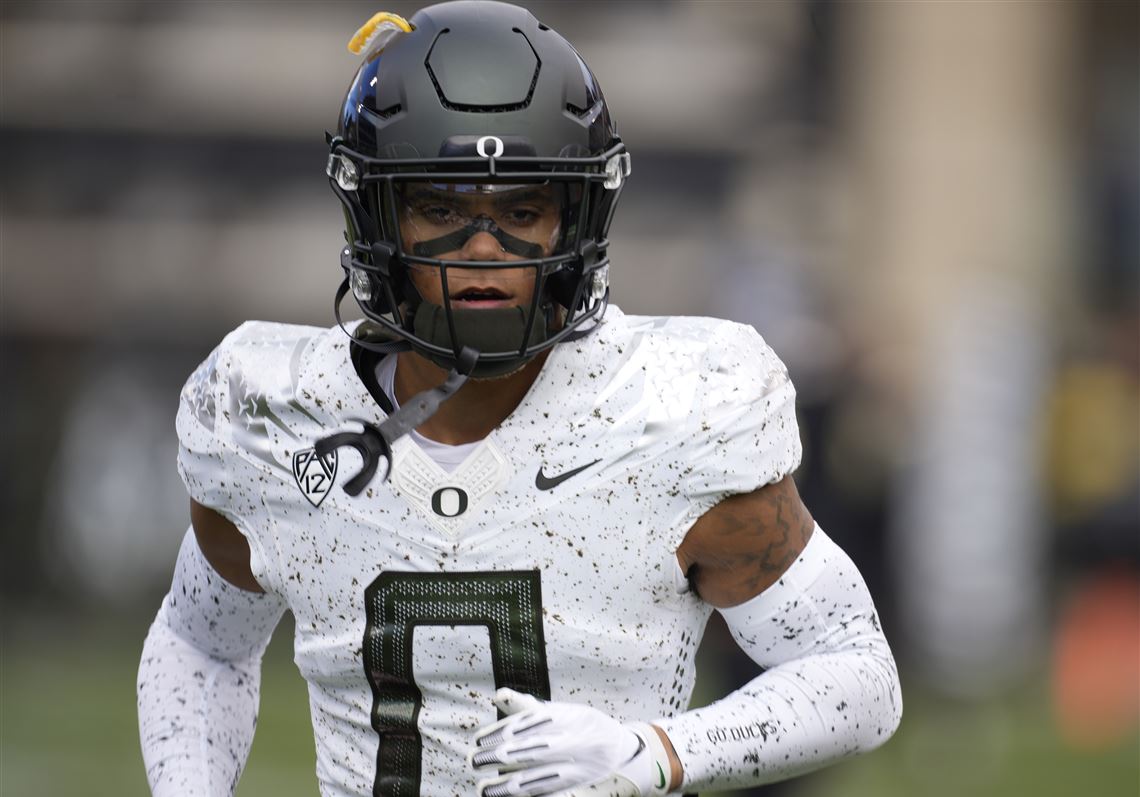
{"points": [[544, 562]]}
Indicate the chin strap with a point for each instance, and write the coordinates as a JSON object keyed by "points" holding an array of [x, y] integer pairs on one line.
{"points": [[376, 441]]}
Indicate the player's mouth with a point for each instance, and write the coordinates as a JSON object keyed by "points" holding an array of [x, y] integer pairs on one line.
{"points": [[478, 297]]}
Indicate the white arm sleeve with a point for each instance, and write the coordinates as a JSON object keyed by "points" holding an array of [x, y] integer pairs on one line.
{"points": [[199, 679], [830, 690]]}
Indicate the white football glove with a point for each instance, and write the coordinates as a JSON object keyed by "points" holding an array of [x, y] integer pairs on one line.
{"points": [[550, 748]]}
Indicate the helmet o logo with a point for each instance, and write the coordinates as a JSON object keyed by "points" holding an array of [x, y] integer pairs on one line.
{"points": [[481, 146], [449, 502]]}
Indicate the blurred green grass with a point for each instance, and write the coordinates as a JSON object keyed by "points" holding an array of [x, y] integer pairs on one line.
{"points": [[68, 724], [67, 727]]}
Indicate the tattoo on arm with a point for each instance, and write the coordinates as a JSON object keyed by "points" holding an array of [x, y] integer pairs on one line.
{"points": [[744, 544]]}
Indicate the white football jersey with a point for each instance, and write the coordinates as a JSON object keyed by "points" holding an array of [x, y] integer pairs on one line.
{"points": [[544, 562]]}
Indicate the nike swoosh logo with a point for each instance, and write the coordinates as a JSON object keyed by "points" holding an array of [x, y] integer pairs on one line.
{"points": [[544, 482], [661, 775]]}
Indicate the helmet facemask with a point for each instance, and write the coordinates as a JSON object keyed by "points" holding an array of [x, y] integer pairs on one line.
{"points": [[485, 253]]}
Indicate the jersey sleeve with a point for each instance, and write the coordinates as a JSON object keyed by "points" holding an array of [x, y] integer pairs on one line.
{"points": [[745, 433], [217, 472]]}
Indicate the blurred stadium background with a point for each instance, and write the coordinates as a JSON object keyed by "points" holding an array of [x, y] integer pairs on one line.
{"points": [[930, 209]]}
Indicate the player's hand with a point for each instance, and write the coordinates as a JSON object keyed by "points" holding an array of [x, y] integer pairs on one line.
{"points": [[550, 748]]}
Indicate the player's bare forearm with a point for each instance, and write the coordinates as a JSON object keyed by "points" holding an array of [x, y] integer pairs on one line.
{"points": [[744, 544]]}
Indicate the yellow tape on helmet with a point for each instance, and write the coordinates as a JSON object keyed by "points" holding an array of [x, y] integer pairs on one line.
{"points": [[370, 31]]}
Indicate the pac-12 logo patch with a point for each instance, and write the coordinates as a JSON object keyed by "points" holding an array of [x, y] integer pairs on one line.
{"points": [[314, 474]]}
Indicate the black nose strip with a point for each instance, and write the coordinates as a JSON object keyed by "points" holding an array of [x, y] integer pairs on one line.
{"points": [[458, 239]]}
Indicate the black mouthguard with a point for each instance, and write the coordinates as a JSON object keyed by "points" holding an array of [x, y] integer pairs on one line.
{"points": [[375, 442]]}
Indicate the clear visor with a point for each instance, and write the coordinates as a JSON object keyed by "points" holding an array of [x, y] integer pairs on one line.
{"points": [[483, 221]]}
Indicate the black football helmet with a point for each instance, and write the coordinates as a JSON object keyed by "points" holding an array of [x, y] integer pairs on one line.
{"points": [[476, 99]]}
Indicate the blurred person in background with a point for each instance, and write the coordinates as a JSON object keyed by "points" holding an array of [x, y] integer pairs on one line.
{"points": [[502, 511], [1092, 445]]}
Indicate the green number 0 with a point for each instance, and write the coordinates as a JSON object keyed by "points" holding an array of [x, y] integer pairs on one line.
{"points": [[508, 603]]}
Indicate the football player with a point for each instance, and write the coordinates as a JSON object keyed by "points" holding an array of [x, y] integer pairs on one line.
{"points": [[500, 510]]}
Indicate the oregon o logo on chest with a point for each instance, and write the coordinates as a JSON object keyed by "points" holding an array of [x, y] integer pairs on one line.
{"points": [[449, 502]]}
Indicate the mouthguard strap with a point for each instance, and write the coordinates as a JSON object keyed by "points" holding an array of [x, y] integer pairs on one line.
{"points": [[374, 442]]}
